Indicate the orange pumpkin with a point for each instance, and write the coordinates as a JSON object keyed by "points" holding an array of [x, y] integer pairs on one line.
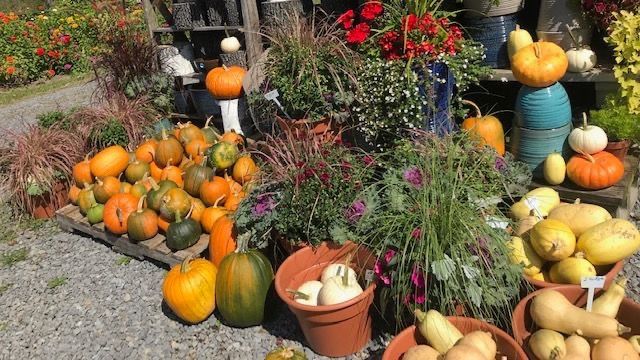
{"points": [[233, 185], [155, 171], [169, 151], [163, 224], [147, 150], [125, 187], [74, 191], [486, 129], [222, 240], [196, 147], [189, 132], [225, 83], [539, 64], [594, 172], [174, 174], [117, 211], [245, 169], [232, 137], [138, 190], [234, 200], [81, 173], [213, 190], [142, 223], [209, 217], [105, 188], [110, 162], [197, 210], [186, 163]]}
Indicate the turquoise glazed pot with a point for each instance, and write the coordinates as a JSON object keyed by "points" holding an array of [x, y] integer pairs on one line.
{"points": [[543, 108], [533, 146]]}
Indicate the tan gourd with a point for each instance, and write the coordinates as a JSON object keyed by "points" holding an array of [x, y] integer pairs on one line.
{"points": [[547, 345], [614, 348], [521, 252], [439, 332], [609, 303], [635, 342], [482, 341], [551, 310], [525, 224], [421, 352], [464, 352], [577, 348], [552, 240], [571, 270], [580, 217]]}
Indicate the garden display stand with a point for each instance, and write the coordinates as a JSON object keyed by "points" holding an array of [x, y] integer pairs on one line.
{"points": [[69, 219]]}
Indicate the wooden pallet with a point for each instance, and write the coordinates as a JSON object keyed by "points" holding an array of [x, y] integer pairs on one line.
{"points": [[619, 199], [69, 219]]}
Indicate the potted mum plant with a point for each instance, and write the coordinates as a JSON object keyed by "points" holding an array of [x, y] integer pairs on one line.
{"points": [[622, 127]]}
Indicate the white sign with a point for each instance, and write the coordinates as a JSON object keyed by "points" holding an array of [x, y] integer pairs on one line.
{"points": [[591, 283]]}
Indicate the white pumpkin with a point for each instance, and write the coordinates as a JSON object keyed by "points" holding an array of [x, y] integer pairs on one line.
{"points": [[518, 39], [587, 139], [230, 44], [307, 293], [581, 59]]}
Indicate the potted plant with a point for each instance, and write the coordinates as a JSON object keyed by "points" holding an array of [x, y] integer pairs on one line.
{"points": [[602, 11], [36, 167], [493, 7], [624, 37], [622, 127]]}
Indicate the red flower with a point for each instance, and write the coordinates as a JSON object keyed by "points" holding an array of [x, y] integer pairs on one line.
{"points": [[600, 7], [11, 70], [54, 54], [51, 72], [65, 39], [358, 34], [121, 23], [12, 38], [409, 22], [9, 59], [40, 51], [346, 19], [371, 10]]}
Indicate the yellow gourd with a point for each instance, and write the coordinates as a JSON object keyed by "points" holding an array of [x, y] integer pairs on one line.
{"points": [[609, 242], [542, 276], [482, 341], [542, 200], [571, 270], [521, 252], [421, 352], [577, 347], [554, 169], [614, 348], [439, 332], [551, 310], [580, 217], [635, 342], [609, 303], [547, 345], [552, 240], [464, 352], [525, 224], [518, 39]]}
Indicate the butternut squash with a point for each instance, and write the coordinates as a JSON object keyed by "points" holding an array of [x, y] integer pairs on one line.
{"points": [[464, 352], [439, 332], [609, 242], [580, 217], [609, 303], [551, 310], [571, 270], [547, 345], [577, 347], [552, 240], [614, 348], [482, 341], [635, 342], [541, 200], [421, 352], [522, 253]]}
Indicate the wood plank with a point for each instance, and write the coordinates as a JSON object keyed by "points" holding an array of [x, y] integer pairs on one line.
{"points": [[153, 242], [600, 74], [162, 248], [169, 29], [150, 16], [251, 24], [196, 249]]}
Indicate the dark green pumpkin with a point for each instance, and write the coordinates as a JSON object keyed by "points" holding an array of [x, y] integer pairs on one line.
{"points": [[242, 284], [211, 134], [154, 196], [194, 177], [183, 233], [95, 213]]}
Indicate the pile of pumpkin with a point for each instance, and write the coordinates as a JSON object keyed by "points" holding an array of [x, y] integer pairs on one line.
{"points": [[181, 183], [571, 240], [591, 335]]}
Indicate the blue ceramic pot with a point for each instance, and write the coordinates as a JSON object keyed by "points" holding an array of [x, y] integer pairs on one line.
{"points": [[543, 108], [533, 146], [437, 110], [493, 33]]}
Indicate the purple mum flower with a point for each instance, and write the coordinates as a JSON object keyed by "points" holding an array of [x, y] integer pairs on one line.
{"points": [[501, 164], [356, 211], [414, 176], [264, 204]]}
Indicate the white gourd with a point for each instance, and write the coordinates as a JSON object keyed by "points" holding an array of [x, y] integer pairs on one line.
{"points": [[337, 270], [581, 59], [230, 44], [588, 139], [339, 289], [307, 293]]}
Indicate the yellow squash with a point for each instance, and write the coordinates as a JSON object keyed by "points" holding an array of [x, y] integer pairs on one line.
{"points": [[547, 345], [421, 352], [541, 200], [580, 217], [554, 169], [439, 332], [609, 242], [521, 252], [518, 39], [552, 240], [571, 270]]}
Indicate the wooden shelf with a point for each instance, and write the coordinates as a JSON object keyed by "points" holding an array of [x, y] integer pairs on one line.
{"points": [[162, 30], [602, 74], [193, 78]]}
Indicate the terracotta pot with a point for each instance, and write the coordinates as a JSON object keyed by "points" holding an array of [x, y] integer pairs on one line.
{"points": [[610, 271], [523, 326], [618, 148], [410, 337], [45, 206], [324, 129], [332, 330]]}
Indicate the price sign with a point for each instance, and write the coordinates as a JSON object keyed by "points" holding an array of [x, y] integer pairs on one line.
{"points": [[591, 283], [368, 276]]}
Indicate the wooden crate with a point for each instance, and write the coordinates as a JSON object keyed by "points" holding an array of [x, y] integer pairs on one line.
{"points": [[619, 199], [70, 219]]}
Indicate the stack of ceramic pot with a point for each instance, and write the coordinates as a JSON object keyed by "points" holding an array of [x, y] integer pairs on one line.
{"points": [[542, 125]]}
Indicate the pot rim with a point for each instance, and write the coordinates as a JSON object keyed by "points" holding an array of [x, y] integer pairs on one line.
{"points": [[615, 269]]}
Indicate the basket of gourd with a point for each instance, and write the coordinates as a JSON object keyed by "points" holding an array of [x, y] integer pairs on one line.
{"points": [[552, 324], [436, 337], [559, 243]]}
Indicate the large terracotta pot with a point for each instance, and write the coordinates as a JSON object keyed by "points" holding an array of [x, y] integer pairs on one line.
{"points": [[411, 336], [523, 326], [610, 275], [45, 206], [333, 330], [618, 149]]}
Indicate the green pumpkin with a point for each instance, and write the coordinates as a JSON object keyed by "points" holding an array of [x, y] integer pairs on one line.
{"points": [[194, 177], [242, 284], [154, 196], [286, 353], [95, 213], [136, 171], [222, 155], [211, 134], [183, 233]]}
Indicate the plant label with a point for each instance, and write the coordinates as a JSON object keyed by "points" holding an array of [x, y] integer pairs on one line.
{"points": [[273, 96], [591, 283], [368, 276], [533, 204]]}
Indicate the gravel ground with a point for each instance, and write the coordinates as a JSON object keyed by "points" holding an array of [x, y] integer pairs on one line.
{"points": [[632, 268], [108, 310]]}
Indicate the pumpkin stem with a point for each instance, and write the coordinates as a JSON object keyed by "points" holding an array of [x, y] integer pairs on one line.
{"points": [[472, 104], [215, 203], [298, 294], [99, 181], [154, 184], [226, 33], [206, 124], [577, 201], [184, 267], [345, 276], [536, 49], [590, 158], [584, 121], [141, 202], [225, 67], [119, 216], [190, 211], [203, 162], [573, 38], [517, 27]]}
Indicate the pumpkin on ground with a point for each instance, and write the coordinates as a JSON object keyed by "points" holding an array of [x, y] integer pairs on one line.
{"points": [[194, 177], [232, 137], [189, 289], [587, 139], [487, 129], [244, 169], [154, 196], [105, 188], [214, 190], [595, 172], [136, 171], [210, 133], [244, 278], [222, 155], [197, 210], [186, 163], [142, 224], [74, 191], [110, 161], [234, 200], [196, 148], [233, 185], [163, 224], [117, 211], [189, 132], [147, 150], [138, 190], [172, 173], [209, 217], [86, 199], [222, 239], [155, 171], [169, 151], [95, 214], [81, 173], [175, 203], [225, 83], [183, 233], [540, 64], [125, 187]]}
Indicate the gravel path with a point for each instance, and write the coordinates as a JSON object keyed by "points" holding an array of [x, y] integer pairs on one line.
{"points": [[15, 116], [109, 310]]}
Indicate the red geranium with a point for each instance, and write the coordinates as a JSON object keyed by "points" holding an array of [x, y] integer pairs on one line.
{"points": [[346, 19], [40, 51], [409, 22], [371, 10], [51, 72], [54, 54], [358, 34], [11, 70]]}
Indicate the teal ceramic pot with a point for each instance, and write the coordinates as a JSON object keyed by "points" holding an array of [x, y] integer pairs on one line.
{"points": [[543, 108], [533, 146]]}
